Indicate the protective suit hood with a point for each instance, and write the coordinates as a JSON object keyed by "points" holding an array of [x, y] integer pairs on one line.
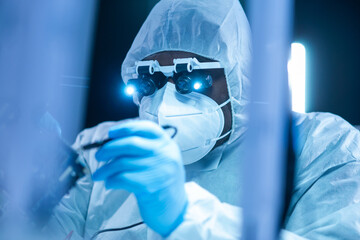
{"points": [[216, 29]]}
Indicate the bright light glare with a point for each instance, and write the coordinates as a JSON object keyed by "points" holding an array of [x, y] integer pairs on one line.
{"points": [[296, 71], [129, 90], [197, 86]]}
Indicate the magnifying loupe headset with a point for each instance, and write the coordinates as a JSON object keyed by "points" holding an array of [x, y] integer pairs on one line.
{"points": [[188, 74]]}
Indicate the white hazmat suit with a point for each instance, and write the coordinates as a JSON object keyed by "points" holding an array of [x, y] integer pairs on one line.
{"points": [[326, 197]]}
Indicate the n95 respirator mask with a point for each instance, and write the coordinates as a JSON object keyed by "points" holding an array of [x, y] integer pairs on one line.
{"points": [[198, 118]]}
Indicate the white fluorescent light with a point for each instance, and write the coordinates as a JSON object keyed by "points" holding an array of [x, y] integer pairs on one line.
{"points": [[296, 72]]}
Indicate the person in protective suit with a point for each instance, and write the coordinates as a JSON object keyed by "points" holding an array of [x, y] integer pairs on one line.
{"points": [[188, 187]]}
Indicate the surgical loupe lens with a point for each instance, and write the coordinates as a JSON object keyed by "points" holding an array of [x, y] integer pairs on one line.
{"points": [[146, 86], [208, 81], [183, 85]]}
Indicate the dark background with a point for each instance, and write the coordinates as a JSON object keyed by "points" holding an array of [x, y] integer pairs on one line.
{"points": [[329, 30]]}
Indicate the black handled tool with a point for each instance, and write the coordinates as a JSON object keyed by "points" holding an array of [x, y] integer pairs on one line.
{"points": [[101, 143]]}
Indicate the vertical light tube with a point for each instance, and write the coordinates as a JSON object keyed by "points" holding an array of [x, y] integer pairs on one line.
{"points": [[297, 71], [269, 110]]}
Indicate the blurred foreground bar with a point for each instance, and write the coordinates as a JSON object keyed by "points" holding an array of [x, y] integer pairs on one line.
{"points": [[44, 58], [264, 170]]}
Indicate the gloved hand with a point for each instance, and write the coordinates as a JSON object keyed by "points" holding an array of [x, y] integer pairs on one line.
{"points": [[144, 160]]}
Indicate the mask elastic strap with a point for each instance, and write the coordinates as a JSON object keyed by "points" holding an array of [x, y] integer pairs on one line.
{"points": [[224, 103], [228, 132], [222, 136], [221, 105], [218, 138]]}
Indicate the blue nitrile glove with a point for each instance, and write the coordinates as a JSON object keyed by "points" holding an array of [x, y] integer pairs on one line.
{"points": [[144, 160]]}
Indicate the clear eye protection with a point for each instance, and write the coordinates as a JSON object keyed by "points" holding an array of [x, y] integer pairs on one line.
{"points": [[188, 75]]}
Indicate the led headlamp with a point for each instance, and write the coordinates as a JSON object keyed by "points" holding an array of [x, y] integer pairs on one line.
{"points": [[148, 76]]}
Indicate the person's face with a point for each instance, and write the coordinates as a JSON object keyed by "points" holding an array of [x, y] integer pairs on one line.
{"points": [[218, 91]]}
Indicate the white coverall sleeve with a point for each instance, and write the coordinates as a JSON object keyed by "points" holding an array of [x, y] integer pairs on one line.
{"points": [[70, 215], [330, 209], [208, 218], [326, 198]]}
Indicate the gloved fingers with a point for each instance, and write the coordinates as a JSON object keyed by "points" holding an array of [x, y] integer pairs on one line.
{"points": [[129, 146], [120, 165], [141, 128], [136, 182]]}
